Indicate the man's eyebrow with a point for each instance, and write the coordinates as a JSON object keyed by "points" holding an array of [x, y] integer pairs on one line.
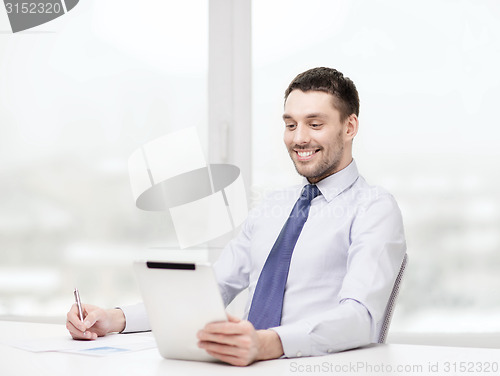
{"points": [[314, 115]]}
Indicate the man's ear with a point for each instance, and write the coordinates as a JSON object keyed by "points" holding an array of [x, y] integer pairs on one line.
{"points": [[351, 127]]}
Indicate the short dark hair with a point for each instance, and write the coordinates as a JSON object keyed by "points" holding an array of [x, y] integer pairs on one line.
{"points": [[331, 81]]}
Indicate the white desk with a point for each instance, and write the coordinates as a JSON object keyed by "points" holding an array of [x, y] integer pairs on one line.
{"points": [[372, 360]]}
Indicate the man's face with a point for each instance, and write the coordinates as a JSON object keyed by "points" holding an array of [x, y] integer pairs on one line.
{"points": [[314, 136]]}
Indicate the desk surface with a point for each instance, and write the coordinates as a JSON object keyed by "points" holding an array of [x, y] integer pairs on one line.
{"points": [[371, 360]]}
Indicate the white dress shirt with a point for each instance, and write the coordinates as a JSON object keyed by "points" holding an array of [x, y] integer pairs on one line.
{"points": [[342, 270]]}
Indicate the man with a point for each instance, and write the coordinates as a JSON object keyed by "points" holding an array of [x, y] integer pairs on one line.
{"points": [[348, 245]]}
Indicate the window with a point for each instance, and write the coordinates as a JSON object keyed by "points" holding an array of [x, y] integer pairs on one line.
{"points": [[428, 83], [77, 96]]}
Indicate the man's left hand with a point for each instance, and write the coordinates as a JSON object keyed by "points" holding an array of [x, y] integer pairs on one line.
{"points": [[238, 343]]}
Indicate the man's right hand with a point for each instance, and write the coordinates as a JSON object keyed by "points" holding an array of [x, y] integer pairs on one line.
{"points": [[97, 322]]}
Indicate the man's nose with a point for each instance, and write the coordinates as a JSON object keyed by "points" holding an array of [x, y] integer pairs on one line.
{"points": [[301, 135]]}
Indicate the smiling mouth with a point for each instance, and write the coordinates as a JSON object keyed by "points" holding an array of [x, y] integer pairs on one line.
{"points": [[305, 155]]}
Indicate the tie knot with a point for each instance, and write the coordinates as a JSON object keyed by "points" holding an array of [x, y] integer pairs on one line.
{"points": [[310, 191]]}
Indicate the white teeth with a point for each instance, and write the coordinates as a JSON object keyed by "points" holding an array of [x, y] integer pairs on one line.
{"points": [[305, 153]]}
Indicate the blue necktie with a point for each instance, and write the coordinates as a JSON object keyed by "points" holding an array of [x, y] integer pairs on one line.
{"points": [[267, 302]]}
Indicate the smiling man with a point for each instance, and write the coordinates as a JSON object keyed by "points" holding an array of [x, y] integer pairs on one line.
{"points": [[319, 259], [315, 136]]}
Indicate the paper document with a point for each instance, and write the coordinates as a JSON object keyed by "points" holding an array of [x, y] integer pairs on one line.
{"points": [[107, 345]]}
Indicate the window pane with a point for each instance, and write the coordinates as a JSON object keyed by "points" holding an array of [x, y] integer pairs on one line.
{"points": [[77, 96], [428, 82]]}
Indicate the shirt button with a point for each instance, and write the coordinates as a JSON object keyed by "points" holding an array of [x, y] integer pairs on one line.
{"points": [[329, 351], [299, 354]]}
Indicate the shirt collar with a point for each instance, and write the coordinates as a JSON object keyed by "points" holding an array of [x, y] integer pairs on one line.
{"points": [[337, 183]]}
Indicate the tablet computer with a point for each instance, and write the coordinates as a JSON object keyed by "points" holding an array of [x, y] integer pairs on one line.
{"points": [[180, 299]]}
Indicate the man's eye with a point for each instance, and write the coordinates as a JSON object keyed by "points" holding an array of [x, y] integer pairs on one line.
{"points": [[315, 125], [290, 125]]}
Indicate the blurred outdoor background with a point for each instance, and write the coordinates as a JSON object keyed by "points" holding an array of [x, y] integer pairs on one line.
{"points": [[79, 94]]}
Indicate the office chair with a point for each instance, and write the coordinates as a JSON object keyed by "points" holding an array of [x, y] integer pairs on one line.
{"points": [[389, 310]]}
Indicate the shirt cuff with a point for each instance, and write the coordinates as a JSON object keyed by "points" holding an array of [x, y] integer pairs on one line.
{"points": [[136, 318], [295, 339]]}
